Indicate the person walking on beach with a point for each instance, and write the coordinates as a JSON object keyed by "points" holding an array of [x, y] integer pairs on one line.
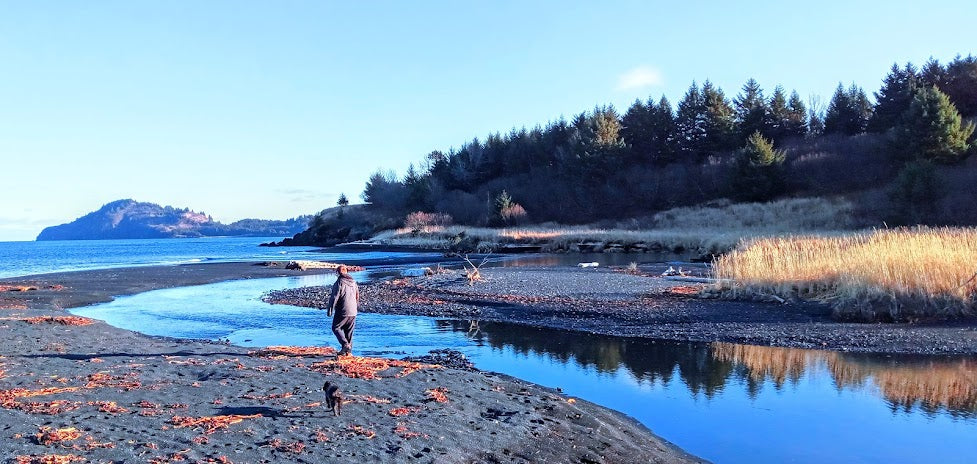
{"points": [[343, 300]]}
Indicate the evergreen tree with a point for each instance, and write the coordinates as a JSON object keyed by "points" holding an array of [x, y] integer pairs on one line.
{"points": [[932, 74], [720, 123], [848, 112], [342, 202], [758, 172], [663, 124], [637, 131], [752, 112], [690, 124], [893, 99], [932, 129], [961, 85], [779, 116], [418, 190], [797, 121], [502, 202]]}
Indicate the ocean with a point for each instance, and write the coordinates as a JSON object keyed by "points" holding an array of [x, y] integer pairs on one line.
{"points": [[27, 258]]}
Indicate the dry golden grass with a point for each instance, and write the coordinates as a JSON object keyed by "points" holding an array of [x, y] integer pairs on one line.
{"points": [[899, 274], [703, 230]]}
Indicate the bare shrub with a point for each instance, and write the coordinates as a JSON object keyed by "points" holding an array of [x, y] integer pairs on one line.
{"points": [[513, 214], [419, 220]]}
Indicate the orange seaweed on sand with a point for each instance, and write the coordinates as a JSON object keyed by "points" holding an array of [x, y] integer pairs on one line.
{"points": [[361, 367], [6, 303], [103, 379], [210, 424], [283, 351], [48, 459], [361, 431], [397, 412], [108, 406], [63, 320], [91, 444], [17, 288], [284, 446], [49, 436], [49, 408], [403, 432], [438, 394], [179, 456], [220, 460], [8, 395], [686, 290]]}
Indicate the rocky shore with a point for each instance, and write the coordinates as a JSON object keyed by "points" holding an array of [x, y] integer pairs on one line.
{"points": [[612, 302], [76, 390]]}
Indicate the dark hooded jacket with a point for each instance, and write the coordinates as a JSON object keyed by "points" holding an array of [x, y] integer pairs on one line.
{"points": [[345, 297]]}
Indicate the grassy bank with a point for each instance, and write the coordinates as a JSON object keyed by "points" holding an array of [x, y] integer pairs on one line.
{"points": [[899, 275], [702, 230]]}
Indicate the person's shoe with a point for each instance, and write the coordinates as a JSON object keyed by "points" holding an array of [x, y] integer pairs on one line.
{"points": [[346, 351]]}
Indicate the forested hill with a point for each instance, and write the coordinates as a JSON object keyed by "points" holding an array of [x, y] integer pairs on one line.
{"points": [[129, 219], [901, 155]]}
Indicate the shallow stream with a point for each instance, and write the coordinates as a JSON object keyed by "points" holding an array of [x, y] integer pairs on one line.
{"points": [[727, 403]]}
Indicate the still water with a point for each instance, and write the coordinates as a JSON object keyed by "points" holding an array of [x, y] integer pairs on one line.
{"points": [[727, 403]]}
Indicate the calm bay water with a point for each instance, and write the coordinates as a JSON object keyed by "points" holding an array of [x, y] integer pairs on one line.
{"points": [[26, 258], [728, 403]]}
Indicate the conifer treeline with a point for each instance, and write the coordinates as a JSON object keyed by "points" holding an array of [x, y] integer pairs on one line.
{"points": [[603, 165]]}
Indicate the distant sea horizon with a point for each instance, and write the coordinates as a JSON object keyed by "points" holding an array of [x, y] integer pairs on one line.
{"points": [[24, 258]]}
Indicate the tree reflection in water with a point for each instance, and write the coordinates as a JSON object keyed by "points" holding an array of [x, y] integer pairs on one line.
{"points": [[931, 384]]}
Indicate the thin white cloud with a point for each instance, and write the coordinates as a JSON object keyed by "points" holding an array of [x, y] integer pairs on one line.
{"points": [[639, 78]]}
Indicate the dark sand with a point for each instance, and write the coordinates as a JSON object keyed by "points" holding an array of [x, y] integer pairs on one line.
{"points": [[610, 302], [126, 393]]}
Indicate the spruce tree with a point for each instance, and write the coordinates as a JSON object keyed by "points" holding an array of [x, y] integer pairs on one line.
{"points": [[637, 131], [932, 74], [752, 112], [342, 202], [663, 127], [893, 99], [848, 112], [961, 85], [797, 120], [779, 116], [690, 124], [932, 129], [758, 172], [720, 122]]}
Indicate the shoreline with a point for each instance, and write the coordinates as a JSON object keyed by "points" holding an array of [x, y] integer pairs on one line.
{"points": [[133, 397], [606, 302]]}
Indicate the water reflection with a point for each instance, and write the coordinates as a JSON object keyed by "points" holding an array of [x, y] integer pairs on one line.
{"points": [[906, 383]]}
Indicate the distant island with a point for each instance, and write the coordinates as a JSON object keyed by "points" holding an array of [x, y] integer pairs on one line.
{"points": [[130, 219]]}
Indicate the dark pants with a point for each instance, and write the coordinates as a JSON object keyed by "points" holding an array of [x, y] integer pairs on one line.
{"points": [[342, 326]]}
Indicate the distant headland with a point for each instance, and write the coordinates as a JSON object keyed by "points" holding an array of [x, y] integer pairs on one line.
{"points": [[130, 219]]}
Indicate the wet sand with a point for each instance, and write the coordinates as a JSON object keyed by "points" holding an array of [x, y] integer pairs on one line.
{"points": [[609, 302], [103, 393]]}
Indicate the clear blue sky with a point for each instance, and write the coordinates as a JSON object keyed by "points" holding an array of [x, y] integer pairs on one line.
{"points": [[271, 109]]}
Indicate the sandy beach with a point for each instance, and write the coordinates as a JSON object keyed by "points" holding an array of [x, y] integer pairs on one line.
{"points": [[76, 389]]}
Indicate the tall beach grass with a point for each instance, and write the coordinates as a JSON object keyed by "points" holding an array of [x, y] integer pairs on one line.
{"points": [[899, 275]]}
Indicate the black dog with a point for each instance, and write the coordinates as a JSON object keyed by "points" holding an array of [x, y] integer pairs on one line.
{"points": [[334, 398]]}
